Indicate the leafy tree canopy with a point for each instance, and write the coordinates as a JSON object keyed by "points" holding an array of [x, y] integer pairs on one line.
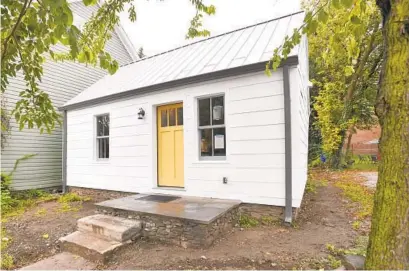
{"points": [[345, 56], [30, 30]]}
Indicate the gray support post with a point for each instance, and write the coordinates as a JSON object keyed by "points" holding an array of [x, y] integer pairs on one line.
{"points": [[288, 213], [64, 153]]}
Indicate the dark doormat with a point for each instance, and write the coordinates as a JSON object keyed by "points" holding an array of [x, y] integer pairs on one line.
{"points": [[158, 198]]}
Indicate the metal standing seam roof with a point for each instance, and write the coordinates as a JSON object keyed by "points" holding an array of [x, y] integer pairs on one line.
{"points": [[241, 47]]}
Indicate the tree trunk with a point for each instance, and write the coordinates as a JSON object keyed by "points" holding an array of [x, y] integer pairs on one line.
{"points": [[336, 157], [389, 238], [348, 147]]}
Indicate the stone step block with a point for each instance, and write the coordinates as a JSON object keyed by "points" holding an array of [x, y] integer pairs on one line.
{"points": [[62, 261], [90, 246], [110, 227]]}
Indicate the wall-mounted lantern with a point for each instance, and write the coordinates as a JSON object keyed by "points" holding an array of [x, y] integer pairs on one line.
{"points": [[141, 113]]}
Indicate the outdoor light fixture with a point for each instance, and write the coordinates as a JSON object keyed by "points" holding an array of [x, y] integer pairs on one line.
{"points": [[141, 113]]}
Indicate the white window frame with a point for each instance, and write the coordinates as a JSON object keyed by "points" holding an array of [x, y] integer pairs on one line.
{"points": [[97, 138], [200, 128]]}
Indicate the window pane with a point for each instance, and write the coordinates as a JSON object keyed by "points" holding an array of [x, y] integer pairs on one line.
{"points": [[103, 125], [163, 118], [218, 110], [219, 141], [206, 142], [180, 116], [106, 147], [103, 147], [204, 112], [172, 117]]}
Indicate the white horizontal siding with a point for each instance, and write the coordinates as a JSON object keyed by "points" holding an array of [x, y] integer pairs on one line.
{"points": [[62, 81], [299, 79], [254, 164]]}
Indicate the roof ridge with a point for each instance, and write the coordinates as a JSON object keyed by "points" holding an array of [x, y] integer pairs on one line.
{"points": [[229, 32]]}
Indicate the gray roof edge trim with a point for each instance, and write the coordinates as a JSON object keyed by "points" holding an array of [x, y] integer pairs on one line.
{"points": [[256, 67]]}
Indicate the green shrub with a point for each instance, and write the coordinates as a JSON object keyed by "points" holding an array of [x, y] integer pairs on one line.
{"points": [[7, 202]]}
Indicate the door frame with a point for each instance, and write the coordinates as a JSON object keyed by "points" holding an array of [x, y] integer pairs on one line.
{"points": [[156, 144]]}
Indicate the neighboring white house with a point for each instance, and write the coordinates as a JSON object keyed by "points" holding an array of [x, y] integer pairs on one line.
{"points": [[200, 120], [62, 81]]}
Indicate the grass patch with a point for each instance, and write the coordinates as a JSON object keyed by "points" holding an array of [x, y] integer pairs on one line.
{"points": [[72, 197], [41, 212], [246, 221], [359, 248], [21, 201], [67, 207], [269, 220], [68, 200], [356, 224], [7, 261], [359, 194], [329, 262], [364, 167], [313, 184]]}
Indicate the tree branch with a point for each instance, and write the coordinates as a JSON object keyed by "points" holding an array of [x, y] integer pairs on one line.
{"points": [[26, 5]]}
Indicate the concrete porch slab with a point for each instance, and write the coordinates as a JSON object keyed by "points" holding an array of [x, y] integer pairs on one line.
{"points": [[196, 209]]}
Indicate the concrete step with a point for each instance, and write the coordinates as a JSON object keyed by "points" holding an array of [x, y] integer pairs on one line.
{"points": [[110, 227], [62, 261], [90, 246]]}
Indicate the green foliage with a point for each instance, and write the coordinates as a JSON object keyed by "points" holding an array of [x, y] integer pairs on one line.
{"points": [[333, 262], [269, 220], [196, 26], [67, 202], [358, 194], [18, 161], [345, 50], [67, 207], [72, 197], [7, 201], [345, 76], [359, 248], [7, 261], [363, 163], [41, 212], [31, 29], [312, 184], [4, 121], [246, 221], [356, 224]]}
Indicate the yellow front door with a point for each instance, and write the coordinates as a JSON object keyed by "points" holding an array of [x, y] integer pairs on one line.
{"points": [[170, 145]]}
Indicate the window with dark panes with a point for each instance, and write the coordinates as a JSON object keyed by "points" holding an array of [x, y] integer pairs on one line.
{"points": [[103, 136], [212, 130]]}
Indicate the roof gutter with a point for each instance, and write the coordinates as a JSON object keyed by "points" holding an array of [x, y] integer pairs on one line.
{"points": [[288, 212], [257, 67]]}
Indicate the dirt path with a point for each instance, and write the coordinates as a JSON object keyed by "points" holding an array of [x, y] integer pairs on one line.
{"points": [[35, 236], [322, 220]]}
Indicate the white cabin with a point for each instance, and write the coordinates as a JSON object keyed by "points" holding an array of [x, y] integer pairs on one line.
{"points": [[200, 120]]}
